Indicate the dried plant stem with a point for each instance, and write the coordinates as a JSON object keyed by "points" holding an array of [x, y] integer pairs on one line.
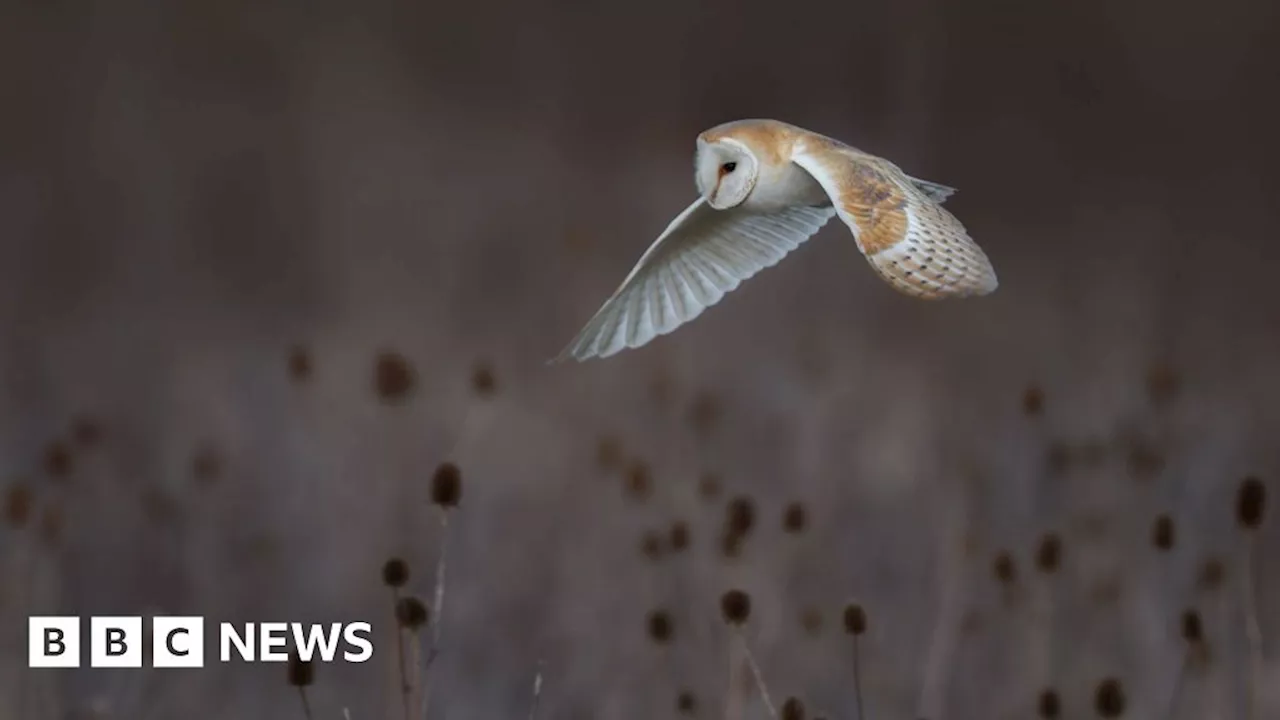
{"points": [[1171, 705], [437, 621], [306, 704], [755, 672], [857, 681], [1044, 635], [537, 692], [29, 563], [440, 570], [946, 623], [416, 675], [406, 688], [1217, 692], [1253, 631], [733, 698]]}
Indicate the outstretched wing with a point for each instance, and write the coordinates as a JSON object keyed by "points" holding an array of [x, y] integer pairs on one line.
{"points": [[703, 254], [901, 228]]}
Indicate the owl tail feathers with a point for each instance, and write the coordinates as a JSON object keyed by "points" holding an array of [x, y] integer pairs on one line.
{"points": [[937, 192]]}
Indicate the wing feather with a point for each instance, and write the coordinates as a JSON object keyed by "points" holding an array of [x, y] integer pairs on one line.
{"points": [[701, 256], [911, 241]]}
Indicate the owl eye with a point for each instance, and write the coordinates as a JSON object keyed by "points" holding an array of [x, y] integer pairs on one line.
{"points": [[729, 167]]}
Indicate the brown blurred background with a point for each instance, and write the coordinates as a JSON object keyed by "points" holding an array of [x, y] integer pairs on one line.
{"points": [[215, 217]]}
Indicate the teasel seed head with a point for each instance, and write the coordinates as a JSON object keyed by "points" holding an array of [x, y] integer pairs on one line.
{"points": [[660, 626], [794, 518], [855, 619], [301, 672], [446, 485], [1109, 700], [735, 605], [1163, 534], [1251, 501], [411, 613], [395, 573]]}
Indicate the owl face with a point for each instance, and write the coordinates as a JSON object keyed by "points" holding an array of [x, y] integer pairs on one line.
{"points": [[725, 171]]}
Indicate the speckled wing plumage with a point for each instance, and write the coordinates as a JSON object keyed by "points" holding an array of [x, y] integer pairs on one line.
{"points": [[702, 255], [898, 221]]}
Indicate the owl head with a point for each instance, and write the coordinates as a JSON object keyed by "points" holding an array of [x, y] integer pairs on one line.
{"points": [[725, 171]]}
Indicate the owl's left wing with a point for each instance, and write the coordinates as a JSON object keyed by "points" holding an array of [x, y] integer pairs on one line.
{"points": [[911, 241], [703, 254]]}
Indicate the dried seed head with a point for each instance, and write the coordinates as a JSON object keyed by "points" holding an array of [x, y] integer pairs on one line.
{"points": [[1192, 630], [1251, 501], [855, 619], [395, 573], [446, 485], [735, 605], [57, 460], [1211, 575], [709, 486], [639, 484], [1162, 533], [159, 505], [660, 626], [608, 453], [301, 672], [1145, 462], [794, 518], [1049, 705], [1033, 401], [17, 506], [730, 546], [651, 545], [1049, 553], [811, 621], [1004, 569], [483, 383], [86, 431], [740, 516], [792, 709], [1057, 459], [679, 535], [393, 377], [1107, 590], [299, 364], [1109, 700], [1094, 522], [686, 703], [206, 465], [412, 613], [704, 414]]}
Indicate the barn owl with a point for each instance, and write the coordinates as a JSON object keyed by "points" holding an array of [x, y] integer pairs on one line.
{"points": [[764, 187]]}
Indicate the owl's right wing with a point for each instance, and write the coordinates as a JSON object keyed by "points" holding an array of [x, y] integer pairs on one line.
{"points": [[703, 254], [899, 223]]}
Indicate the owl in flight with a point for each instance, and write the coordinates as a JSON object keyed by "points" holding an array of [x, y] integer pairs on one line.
{"points": [[765, 187]]}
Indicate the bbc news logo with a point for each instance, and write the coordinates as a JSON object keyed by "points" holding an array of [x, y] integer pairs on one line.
{"points": [[178, 642]]}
